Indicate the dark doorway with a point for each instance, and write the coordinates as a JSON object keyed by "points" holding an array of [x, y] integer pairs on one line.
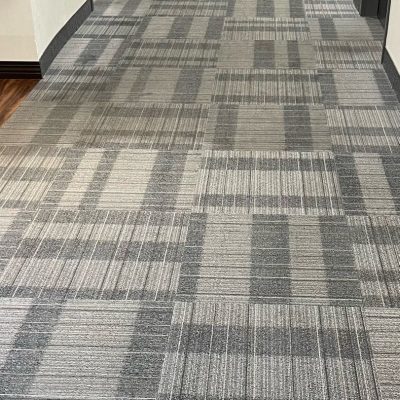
{"points": [[382, 11]]}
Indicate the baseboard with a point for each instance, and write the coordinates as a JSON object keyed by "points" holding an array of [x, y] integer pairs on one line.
{"points": [[392, 72], [20, 70], [37, 69], [367, 8]]}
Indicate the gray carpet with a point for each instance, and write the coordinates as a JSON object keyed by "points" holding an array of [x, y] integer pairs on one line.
{"points": [[201, 200]]}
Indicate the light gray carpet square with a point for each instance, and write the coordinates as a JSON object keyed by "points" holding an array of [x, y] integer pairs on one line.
{"points": [[181, 27], [269, 259], [26, 174], [383, 328], [82, 349], [376, 244], [268, 351], [369, 183], [345, 29], [365, 129], [267, 54], [125, 179], [267, 86], [267, 128], [260, 28], [100, 254], [356, 87], [340, 54]]}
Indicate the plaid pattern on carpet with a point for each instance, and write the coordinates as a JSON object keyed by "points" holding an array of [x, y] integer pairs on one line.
{"points": [[201, 200]]}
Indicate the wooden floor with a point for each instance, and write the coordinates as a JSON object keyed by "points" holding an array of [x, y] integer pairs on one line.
{"points": [[12, 92]]}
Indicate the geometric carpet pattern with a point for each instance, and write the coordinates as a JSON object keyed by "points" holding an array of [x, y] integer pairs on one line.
{"points": [[201, 200]]}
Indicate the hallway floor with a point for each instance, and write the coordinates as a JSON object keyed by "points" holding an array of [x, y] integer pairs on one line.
{"points": [[201, 200]]}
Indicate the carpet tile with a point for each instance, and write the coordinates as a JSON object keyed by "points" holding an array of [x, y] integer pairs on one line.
{"points": [[244, 182], [228, 8], [267, 86], [199, 8], [267, 54], [384, 332], [181, 27], [265, 346], [115, 255], [356, 87], [154, 84], [376, 243], [171, 53], [201, 201], [330, 9], [365, 129], [87, 52], [115, 125], [339, 54], [72, 84], [26, 173], [108, 27], [269, 259], [75, 85], [13, 223], [48, 123], [369, 183], [267, 128], [260, 28], [345, 29], [121, 7], [82, 349], [147, 126], [97, 178]]}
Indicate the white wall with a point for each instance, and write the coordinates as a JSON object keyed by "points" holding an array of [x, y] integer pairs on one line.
{"points": [[28, 26], [49, 16], [393, 37], [17, 35]]}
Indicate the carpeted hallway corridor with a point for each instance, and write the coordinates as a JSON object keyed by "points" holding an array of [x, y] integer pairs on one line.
{"points": [[201, 201]]}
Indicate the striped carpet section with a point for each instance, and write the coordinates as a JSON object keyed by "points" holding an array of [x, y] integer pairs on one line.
{"points": [[103, 179], [352, 87], [82, 349], [268, 183], [153, 126], [345, 29], [372, 129], [108, 27], [267, 86], [259, 28], [266, 54], [65, 254], [384, 332], [26, 174], [340, 54], [276, 259], [180, 27], [237, 351], [201, 200], [369, 183], [330, 9], [105, 84], [49, 123], [376, 243], [267, 128], [96, 255], [121, 7], [13, 224]]}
